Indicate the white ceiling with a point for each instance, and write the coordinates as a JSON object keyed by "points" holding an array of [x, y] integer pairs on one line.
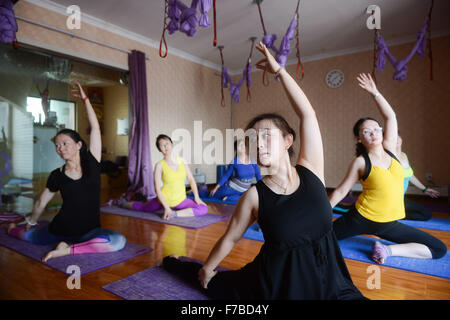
{"points": [[327, 27]]}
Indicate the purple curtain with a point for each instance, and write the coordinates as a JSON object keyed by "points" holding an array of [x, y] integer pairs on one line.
{"points": [[140, 171]]}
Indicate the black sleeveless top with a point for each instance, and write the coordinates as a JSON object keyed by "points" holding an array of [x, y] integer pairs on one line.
{"points": [[80, 211], [300, 258]]}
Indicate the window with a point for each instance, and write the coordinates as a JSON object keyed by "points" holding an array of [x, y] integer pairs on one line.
{"points": [[64, 111]]}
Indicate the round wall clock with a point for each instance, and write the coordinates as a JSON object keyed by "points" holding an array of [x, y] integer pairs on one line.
{"points": [[334, 78]]}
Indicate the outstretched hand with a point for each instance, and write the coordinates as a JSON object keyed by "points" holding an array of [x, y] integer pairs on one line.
{"points": [[366, 82], [268, 63], [432, 193], [78, 91]]}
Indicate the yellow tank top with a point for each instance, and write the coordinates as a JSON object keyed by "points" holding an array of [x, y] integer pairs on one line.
{"points": [[382, 197], [174, 189]]}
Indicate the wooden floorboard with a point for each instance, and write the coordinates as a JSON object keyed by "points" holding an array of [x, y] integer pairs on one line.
{"points": [[24, 278]]}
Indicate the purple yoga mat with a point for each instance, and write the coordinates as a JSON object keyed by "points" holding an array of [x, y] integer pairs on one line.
{"points": [[86, 262], [187, 222], [156, 284]]}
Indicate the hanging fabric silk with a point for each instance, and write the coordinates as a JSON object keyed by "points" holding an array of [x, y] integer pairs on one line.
{"points": [[246, 75], [282, 53], [400, 66], [178, 16]]}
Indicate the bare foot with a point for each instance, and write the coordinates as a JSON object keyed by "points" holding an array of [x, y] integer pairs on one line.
{"points": [[62, 249]]}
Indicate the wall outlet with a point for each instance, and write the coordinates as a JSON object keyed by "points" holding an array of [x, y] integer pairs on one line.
{"points": [[428, 176]]}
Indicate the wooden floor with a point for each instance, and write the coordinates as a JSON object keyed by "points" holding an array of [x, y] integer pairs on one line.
{"points": [[24, 278]]}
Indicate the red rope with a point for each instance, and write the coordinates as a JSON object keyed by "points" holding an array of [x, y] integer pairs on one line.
{"points": [[163, 36], [375, 50], [222, 102], [15, 44], [260, 16], [215, 31], [264, 78], [299, 61], [249, 95]]}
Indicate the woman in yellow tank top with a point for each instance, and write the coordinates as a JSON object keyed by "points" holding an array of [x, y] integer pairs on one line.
{"points": [[171, 172], [380, 204]]}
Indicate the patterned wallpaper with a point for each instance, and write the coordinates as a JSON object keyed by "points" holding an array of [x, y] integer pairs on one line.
{"points": [[422, 107], [181, 92]]}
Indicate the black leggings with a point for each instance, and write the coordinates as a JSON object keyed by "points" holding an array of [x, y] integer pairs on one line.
{"points": [[413, 210], [416, 211], [353, 223], [225, 285]]}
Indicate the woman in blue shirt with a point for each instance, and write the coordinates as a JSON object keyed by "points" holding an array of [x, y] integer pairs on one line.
{"points": [[242, 172]]}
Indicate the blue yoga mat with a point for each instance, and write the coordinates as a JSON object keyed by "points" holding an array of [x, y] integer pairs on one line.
{"points": [[360, 248], [254, 233], [211, 199], [433, 223]]}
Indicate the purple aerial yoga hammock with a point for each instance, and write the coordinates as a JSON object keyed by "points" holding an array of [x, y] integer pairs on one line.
{"points": [[285, 46], [8, 24], [246, 75], [283, 52], [183, 18], [186, 18], [400, 66]]}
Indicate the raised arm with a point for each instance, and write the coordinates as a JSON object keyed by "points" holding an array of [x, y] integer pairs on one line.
{"points": [[95, 143], [311, 148], [390, 119], [243, 216], [354, 172]]}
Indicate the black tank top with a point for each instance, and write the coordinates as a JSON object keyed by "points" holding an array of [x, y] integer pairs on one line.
{"points": [[303, 216]]}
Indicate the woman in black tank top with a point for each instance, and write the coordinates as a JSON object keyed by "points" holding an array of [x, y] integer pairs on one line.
{"points": [[300, 258]]}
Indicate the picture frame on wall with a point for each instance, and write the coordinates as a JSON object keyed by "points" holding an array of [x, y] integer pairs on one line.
{"points": [[95, 95]]}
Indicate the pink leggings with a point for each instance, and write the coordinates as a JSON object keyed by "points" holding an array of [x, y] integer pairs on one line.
{"points": [[97, 240], [155, 205]]}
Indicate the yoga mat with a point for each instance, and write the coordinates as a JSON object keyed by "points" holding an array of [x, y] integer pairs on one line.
{"points": [[360, 248], [86, 262], [254, 233], [433, 223], [155, 283], [188, 222], [211, 199]]}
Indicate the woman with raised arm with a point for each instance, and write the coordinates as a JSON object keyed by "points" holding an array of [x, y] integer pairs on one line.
{"points": [[78, 180], [300, 258], [380, 204]]}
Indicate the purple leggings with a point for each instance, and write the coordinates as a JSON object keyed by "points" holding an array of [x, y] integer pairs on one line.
{"points": [[155, 205]]}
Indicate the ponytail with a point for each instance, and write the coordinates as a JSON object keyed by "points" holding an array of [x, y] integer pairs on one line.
{"points": [[360, 149]]}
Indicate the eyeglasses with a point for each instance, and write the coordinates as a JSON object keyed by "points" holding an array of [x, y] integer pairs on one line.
{"points": [[368, 132]]}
